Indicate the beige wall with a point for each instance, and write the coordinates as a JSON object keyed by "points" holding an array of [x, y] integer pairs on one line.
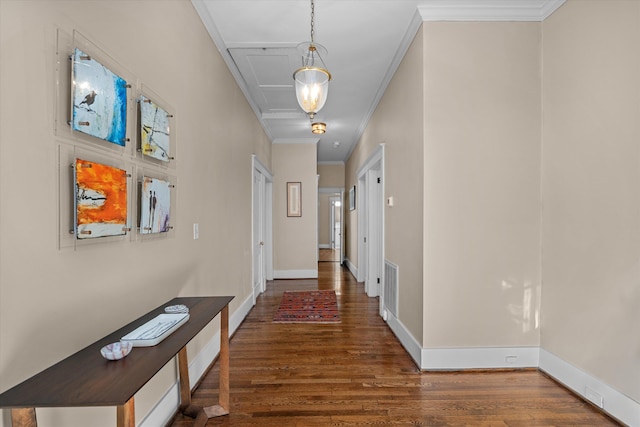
{"points": [[464, 228], [590, 177], [482, 196], [54, 302], [331, 175], [295, 247]]}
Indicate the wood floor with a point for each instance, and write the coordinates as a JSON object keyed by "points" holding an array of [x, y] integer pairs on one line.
{"points": [[356, 373], [329, 255]]}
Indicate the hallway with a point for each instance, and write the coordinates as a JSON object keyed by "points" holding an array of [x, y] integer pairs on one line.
{"points": [[356, 373]]}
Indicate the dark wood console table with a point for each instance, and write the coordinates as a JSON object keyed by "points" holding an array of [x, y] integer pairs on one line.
{"points": [[87, 379]]}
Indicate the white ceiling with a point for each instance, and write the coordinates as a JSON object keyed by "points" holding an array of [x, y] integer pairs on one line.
{"points": [[365, 40]]}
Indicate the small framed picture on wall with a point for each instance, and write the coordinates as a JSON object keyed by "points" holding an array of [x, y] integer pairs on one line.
{"points": [[352, 198], [294, 199]]}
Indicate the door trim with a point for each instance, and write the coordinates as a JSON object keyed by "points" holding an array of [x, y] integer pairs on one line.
{"points": [[374, 162], [267, 214]]}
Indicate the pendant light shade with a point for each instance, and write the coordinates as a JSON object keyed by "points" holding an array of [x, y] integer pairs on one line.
{"points": [[312, 87], [318, 128], [312, 79]]}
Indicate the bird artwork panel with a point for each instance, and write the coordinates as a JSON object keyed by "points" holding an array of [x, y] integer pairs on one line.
{"points": [[155, 205], [154, 130], [101, 200], [99, 100]]}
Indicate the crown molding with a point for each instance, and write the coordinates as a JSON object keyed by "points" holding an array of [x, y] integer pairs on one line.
{"points": [[488, 10]]}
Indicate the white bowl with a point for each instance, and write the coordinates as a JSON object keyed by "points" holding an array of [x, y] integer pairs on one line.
{"points": [[116, 350]]}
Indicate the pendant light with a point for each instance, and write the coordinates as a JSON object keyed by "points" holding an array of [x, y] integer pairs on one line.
{"points": [[312, 79], [318, 128]]}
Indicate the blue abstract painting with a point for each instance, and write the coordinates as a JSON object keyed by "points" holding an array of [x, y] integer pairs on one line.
{"points": [[154, 130], [155, 206], [99, 100]]}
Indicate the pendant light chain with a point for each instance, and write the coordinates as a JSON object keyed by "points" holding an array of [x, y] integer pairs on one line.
{"points": [[312, 79], [312, 20]]}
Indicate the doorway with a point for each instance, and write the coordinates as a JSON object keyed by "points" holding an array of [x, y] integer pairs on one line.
{"points": [[335, 222], [370, 196], [261, 229], [331, 224]]}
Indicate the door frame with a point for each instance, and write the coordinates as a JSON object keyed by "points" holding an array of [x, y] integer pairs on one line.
{"points": [[371, 223], [336, 192], [332, 221], [265, 212]]}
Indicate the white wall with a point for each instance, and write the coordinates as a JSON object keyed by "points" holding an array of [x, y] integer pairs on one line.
{"points": [[54, 302]]}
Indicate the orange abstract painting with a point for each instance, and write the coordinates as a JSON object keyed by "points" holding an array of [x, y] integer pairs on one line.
{"points": [[101, 200]]}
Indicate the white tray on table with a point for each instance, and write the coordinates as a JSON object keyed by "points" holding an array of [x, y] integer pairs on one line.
{"points": [[156, 329]]}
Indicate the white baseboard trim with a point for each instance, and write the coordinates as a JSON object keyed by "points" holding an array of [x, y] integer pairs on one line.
{"points": [[406, 339], [164, 410], [295, 274], [479, 358], [166, 407], [616, 404], [463, 358], [324, 246], [352, 268]]}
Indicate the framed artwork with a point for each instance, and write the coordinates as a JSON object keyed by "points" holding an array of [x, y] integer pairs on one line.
{"points": [[294, 199], [154, 130], [100, 200], [99, 100], [352, 198], [155, 205]]}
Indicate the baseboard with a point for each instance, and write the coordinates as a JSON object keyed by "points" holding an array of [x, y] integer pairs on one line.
{"points": [[324, 246], [295, 274], [164, 410], [429, 359], [614, 403], [410, 344], [479, 358], [352, 268]]}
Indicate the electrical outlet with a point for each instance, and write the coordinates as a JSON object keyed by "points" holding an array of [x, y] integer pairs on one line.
{"points": [[196, 232], [594, 397]]}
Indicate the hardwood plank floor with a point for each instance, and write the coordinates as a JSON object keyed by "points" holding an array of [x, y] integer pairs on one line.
{"points": [[329, 255], [356, 373]]}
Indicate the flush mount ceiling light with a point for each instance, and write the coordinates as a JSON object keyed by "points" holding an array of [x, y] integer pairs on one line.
{"points": [[312, 79], [318, 127]]}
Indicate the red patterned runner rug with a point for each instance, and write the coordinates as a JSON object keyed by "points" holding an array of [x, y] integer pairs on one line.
{"points": [[308, 307]]}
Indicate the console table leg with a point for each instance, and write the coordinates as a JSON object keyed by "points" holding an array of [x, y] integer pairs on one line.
{"points": [[126, 416], [185, 387], [224, 358], [223, 407], [23, 417]]}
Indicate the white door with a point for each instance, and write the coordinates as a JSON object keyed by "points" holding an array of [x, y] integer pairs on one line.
{"points": [[258, 234], [335, 215], [374, 216], [363, 246], [371, 225]]}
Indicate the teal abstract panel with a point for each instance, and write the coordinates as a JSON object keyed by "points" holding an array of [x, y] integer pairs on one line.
{"points": [[99, 100]]}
